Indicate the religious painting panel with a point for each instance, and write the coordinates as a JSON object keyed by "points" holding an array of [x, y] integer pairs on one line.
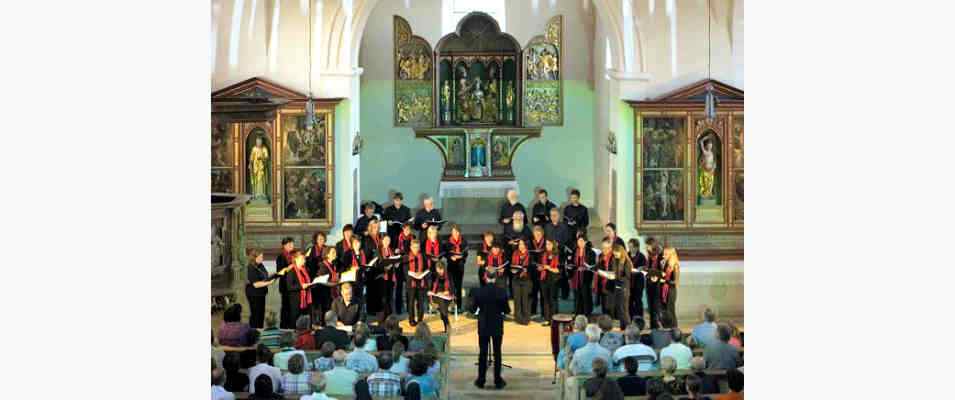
{"points": [[303, 147], [737, 172], [500, 151], [221, 145], [478, 154], [663, 196], [542, 103], [509, 91], [305, 194], [445, 82], [543, 84], [738, 195], [456, 155], [413, 74], [221, 180], [737, 142], [663, 142], [259, 166], [218, 244], [709, 171]]}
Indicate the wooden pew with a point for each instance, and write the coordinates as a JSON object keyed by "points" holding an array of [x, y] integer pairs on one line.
{"points": [[720, 375]]}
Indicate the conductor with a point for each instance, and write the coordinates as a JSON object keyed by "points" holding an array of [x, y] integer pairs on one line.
{"points": [[490, 305]]}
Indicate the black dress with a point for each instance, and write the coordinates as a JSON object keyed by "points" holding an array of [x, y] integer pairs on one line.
{"points": [[256, 296], [456, 268]]}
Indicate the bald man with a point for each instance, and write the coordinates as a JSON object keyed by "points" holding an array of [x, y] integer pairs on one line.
{"points": [[509, 207]]}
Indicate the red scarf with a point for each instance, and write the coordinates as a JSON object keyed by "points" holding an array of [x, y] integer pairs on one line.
{"points": [[317, 251], [374, 238], [547, 259], [539, 245], [432, 247], [304, 295], [665, 287], [446, 284], [354, 258], [416, 265], [519, 259], [580, 258], [288, 257], [401, 241], [605, 262], [456, 244], [331, 271], [494, 261], [346, 244], [389, 274]]}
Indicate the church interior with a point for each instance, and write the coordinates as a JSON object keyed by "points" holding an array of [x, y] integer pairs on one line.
{"points": [[633, 108]]}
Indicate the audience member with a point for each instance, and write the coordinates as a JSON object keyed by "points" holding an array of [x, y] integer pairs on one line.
{"points": [[371, 344], [422, 336], [735, 338], [330, 332], [677, 350], [235, 380], [582, 363], [262, 367], [234, 332], [705, 333], [663, 336], [694, 387], [347, 307], [264, 389], [708, 383], [271, 334], [721, 354], [578, 339], [383, 382], [305, 340], [218, 381], [359, 360], [340, 380], [608, 339], [280, 360], [296, 380], [734, 379], [393, 334], [655, 389], [634, 349], [632, 384], [326, 362], [434, 364], [317, 384], [419, 373], [672, 383], [600, 387], [217, 353], [400, 362]]}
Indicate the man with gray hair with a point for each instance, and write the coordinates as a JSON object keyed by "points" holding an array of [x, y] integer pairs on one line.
{"points": [[509, 207], [645, 354], [426, 216], [341, 380], [331, 333], [218, 380], [582, 363], [708, 383], [578, 339], [317, 383]]}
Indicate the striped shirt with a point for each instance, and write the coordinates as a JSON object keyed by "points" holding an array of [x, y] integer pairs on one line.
{"points": [[384, 383], [270, 337]]}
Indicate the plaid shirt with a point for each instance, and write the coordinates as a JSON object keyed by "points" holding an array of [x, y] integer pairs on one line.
{"points": [[296, 383], [384, 383], [361, 362]]}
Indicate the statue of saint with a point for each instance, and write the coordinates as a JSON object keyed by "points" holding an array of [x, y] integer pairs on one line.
{"points": [[707, 168], [463, 110], [477, 101], [490, 102], [258, 171], [509, 102]]}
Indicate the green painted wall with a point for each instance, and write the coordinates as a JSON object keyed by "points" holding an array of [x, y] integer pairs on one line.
{"points": [[393, 159]]}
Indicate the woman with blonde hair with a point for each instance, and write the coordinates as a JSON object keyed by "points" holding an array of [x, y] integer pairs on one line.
{"points": [[422, 336], [671, 279]]}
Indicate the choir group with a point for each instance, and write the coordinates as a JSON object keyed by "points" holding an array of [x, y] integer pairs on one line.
{"points": [[389, 260]]}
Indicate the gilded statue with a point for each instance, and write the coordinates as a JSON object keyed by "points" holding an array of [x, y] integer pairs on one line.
{"points": [[509, 97], [477, 101], [446, 94], [464, 104], [490, 102], [707, 169], [258, 171]]}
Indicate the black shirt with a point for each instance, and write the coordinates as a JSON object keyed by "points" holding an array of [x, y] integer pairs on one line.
{"points": [[492, 301], [507, 212], [256, 273], [348, 315], [361, 225], [632, 385], [334, 335], [559, 233], [542, 212], [399, 215], [576, 216], [423, 216]]}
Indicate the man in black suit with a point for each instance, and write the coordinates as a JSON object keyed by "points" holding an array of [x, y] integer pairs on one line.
{"points": [[490, 303]]}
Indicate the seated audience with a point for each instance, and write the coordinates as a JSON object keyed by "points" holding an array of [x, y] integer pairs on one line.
{"points": [[705, 333], [582, 362], [601, 387], [271, 334], [578, 339], [317, 384], [359, 360], [421, 339], [434, 364], [326, 362], [347, 307], [264, 389], [340, 380], [371, 344], [295, 381], [262, 367], [393, 334], [400, 362], [721, 354], [693, 387], [608, 339], [563, 354], [419, 374], [634, 349], [218, 380], [663, 336], [708, 383], [247, 356], [280, 360], [632, 384], [330, 332], [735, 338], [234, 332], [672, 383], [305, 340], [677, 350], [734, 379], [235, 380], [217, 353], [383, 382]]}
